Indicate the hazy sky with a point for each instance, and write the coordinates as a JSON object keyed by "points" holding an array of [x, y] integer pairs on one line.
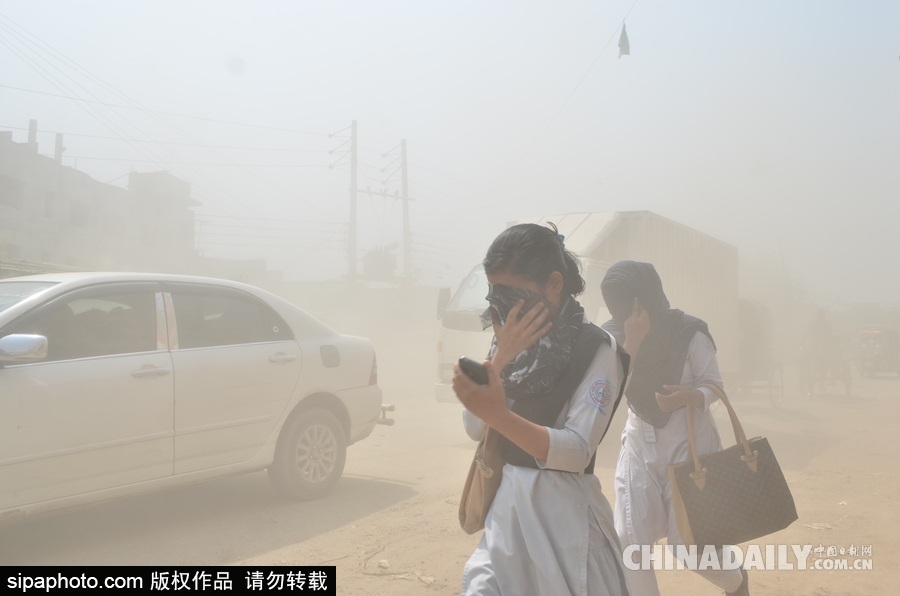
{"points": [[757, 123]]}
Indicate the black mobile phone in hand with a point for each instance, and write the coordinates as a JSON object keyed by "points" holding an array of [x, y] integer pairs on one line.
{"points": [[474, 370]]}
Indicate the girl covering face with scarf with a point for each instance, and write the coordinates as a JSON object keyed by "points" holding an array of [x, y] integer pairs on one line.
{"points": [[554, 383], [673, 353], [534, 370]]}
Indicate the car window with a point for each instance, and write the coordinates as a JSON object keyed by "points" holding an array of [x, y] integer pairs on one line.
{"points": [[13, 292], [97, 324], [472, 293], [208, 317]]}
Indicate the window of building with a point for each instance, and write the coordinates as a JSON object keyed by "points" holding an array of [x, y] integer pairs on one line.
{"points": [[79, 214], [12, 192], [49, 204]]}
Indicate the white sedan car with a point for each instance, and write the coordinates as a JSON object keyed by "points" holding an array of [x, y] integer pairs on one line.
{"points": [[113, 384]]}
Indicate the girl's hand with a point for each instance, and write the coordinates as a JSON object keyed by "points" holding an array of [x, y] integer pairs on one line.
{"points": [[488, 402], [637, 326], [516, 335], [679, 397]]}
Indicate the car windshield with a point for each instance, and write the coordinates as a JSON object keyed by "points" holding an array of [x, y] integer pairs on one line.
{"points": [[13, 292], [472, 293]]}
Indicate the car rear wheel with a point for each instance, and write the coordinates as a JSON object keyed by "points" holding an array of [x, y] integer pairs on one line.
{"points": [[310, 455]]}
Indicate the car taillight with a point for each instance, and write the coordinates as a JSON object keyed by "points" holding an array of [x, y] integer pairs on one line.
{"points": [[373, 376], [440, 346]]}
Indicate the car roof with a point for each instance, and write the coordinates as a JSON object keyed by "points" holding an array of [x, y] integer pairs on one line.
{"points": [[112, 276], [64, 282], [67, 280]]}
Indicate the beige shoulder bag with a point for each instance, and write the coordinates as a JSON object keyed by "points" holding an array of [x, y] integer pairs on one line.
{"points": [[482, 483]]}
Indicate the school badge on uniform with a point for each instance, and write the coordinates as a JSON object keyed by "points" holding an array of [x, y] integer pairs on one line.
{"points": [[600, 393]]}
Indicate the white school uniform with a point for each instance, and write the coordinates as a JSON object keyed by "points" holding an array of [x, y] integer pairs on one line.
{"points": [[644, 511], [550, 531]]}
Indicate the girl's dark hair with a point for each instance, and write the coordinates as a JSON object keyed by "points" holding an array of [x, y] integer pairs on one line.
{"points": [[534, 252]]}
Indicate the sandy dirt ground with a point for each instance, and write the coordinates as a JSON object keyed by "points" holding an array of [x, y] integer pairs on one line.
{"points": [[391, 525]]}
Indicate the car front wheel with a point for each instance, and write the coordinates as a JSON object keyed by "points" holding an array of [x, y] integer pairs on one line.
{"points": [[310, 455]]}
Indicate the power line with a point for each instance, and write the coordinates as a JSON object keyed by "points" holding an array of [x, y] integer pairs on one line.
{"points": [[451, 177], [68, 94], [481, 205], [137, 106], [264, 228], [299, 235], [468, 251], [195, 163], [422, 197], [97, 101], [278, 219], [451, 253], [162, 113], [568, 99], [53, 80], [436, 239], [283, 246], [152, 142], [308, 253], [416, 183]]}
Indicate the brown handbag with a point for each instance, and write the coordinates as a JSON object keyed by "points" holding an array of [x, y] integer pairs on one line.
{"points": [[482, 483], [730, 496]]}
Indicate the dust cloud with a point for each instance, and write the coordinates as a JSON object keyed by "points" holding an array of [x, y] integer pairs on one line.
{"points": [[357, 161]]}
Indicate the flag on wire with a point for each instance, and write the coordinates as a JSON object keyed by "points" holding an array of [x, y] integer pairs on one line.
{"points": [[623, 43]]}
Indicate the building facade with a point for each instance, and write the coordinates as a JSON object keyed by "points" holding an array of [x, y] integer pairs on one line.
{"points": [[51, 213]]}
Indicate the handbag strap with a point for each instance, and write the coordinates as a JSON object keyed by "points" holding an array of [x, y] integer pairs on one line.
{"points": [[749, 457], [480, 460]]}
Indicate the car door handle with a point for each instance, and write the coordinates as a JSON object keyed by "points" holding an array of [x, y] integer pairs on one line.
{"points": [[282, 358], [151, 372]]}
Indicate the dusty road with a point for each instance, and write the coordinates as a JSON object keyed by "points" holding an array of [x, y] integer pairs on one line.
{"points": [[397, 501]]}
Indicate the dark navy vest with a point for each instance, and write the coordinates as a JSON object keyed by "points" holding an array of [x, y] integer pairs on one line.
{"points": [[545, 409]]}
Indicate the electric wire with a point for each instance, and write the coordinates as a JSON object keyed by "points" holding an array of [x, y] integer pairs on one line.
{"points": [[150, 141], [75, 98], [568, 99], [96, 114], [122, 96], [162, 113]]}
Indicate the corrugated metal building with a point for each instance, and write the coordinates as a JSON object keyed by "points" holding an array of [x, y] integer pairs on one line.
{"points": [[19, 268]]}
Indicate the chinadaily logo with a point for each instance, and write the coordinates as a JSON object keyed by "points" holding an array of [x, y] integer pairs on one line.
{"points": [[768, 557]]}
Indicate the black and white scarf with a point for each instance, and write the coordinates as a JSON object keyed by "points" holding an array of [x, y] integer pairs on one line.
{"points": [[535, 370]]}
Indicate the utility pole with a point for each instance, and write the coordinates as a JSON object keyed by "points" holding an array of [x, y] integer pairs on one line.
{"points": [[57, 153], [407, 240], [32, 136], [351, 242]]}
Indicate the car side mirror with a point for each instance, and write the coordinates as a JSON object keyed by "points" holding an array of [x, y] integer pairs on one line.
{"points": [[21, 348], [443, 301]]}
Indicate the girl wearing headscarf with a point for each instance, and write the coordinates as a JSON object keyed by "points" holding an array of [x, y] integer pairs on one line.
{"points": [[554, 383], [672, 354]]}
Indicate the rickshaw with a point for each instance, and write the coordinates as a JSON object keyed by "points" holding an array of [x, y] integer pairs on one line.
{"points": [[824, 362], [877, 351], [758, 368]]}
